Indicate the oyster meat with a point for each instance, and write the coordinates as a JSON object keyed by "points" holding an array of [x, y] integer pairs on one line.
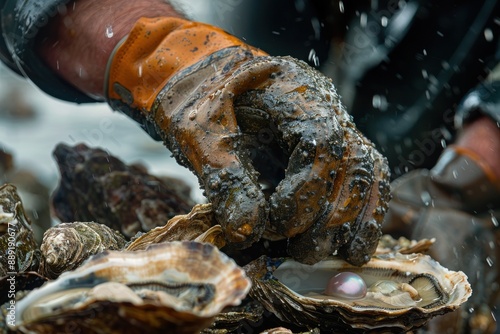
{"points": [[403, 292], [173, 287], [96, 186], [67, 245]]}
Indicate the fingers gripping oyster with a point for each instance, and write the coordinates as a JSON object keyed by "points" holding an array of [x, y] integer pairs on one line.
{"points": [[391, 293], [174, 287], [67, 245]]}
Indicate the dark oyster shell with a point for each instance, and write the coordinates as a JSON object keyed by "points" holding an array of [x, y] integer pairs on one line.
{"points": [[96, 186], [404, 292], [17, 242]]}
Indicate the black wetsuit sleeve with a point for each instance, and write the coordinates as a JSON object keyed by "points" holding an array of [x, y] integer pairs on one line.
{"points": [[20, 21]]}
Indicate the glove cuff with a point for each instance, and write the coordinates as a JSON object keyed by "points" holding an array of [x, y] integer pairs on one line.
{"points": [[154, 51]]}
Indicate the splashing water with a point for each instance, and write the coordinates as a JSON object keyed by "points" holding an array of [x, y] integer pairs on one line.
{"points": [[109, 31]]}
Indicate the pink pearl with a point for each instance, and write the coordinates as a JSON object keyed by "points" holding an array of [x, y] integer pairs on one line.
{"points": [[346, 285]]}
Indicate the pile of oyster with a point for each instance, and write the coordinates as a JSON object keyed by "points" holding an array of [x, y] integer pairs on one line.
{"points": [[167, 270]]}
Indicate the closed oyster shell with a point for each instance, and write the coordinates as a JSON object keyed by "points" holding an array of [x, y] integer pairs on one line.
{"points": [[174, 287], [17, 242], [295, 292], [96, 186], [67, 245], [198, 225]]}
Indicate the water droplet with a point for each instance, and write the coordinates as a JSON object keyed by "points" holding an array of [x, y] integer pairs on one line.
{"points": [[424, 52], [109, 31], [489, 261], [383, 21], [379, 102], [313, 57], [488, 34], [341, 6], [494, 220], [192, 115], [426, 198], [363, 20]]}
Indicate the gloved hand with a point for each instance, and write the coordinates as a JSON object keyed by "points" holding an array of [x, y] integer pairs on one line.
{"points": [[239, 119], [457, 203]]}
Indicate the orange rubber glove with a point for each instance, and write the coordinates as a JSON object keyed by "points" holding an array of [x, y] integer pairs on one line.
{"points": [[211, 98]]}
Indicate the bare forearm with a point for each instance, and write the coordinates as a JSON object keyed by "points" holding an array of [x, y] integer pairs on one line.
{"points": [[77, 43]]}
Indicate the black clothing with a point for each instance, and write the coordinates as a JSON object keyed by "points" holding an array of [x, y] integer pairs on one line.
{"points": [[20, 22]]}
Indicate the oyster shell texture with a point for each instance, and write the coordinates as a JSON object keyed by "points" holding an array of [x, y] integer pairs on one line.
{"points": [[198, 225], [17, 242], [388, 244], [96, 186], [419, 288], [66, 245], [173, 287]]}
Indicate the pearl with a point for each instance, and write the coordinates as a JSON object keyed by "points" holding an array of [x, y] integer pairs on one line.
{"points": [[346, 285]]}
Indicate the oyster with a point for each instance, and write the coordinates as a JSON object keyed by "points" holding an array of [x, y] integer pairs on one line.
{"points": [[174, 287], [402, 292], [387, 244], [67, 245], [199, 225], [17, 241], [96, 186]]}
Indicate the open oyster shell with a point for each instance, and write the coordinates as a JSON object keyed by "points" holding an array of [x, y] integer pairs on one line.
{"points": [[295, 292], [174, 287], [66, 245]]}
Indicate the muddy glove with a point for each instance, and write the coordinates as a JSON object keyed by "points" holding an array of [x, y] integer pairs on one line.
{"points": [[457, 203], [240, 119]]}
